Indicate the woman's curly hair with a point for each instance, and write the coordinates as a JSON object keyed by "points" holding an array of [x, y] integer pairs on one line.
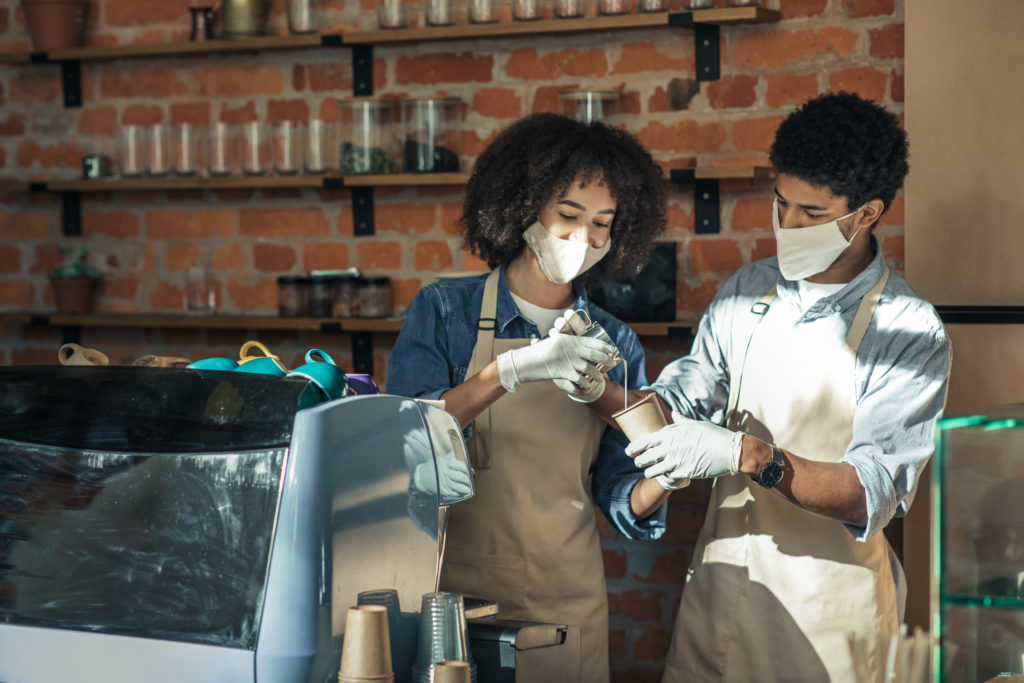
{"points": [[535, 159], [850, 145]]}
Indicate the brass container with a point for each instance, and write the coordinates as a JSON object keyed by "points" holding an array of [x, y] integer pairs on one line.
{"points": [[243, 18]]}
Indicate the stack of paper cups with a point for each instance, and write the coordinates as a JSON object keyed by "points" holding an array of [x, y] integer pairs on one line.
{"points": [[366, 652]]}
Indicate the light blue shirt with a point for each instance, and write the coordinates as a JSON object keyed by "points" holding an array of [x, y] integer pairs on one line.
{"points": [[902, 372]]}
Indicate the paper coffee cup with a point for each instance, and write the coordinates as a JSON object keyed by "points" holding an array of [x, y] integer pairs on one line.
{"points": [[366, 651], [642, 418], [452, 672]]}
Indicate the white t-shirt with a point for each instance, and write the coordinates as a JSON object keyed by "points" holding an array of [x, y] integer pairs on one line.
{"points": [[543, 317]]}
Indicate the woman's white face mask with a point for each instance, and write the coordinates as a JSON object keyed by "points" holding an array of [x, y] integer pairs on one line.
{"points": [[561, 260], [804, 252]]}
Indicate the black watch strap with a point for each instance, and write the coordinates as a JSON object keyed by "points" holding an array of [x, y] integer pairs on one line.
{"points": [[771, 473]]}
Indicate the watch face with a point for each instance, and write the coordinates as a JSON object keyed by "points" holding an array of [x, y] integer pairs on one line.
{"points": [[771, 474]]}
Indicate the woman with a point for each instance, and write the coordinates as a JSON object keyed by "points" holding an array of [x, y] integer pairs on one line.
{"points": [[552, 204]]}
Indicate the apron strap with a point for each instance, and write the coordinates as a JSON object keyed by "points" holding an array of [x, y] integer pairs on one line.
{"points": [[760, 309], [864, 313]]}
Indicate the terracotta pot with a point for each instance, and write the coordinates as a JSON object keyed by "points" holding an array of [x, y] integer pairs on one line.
{"points": [[74, 294], [55, 24]]}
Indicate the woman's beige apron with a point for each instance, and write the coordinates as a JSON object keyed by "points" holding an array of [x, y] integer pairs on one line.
{"points": [[773, 589], [528, 538]]}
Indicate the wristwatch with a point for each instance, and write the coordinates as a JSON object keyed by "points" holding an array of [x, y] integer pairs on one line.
{"points": [[771, 473]]}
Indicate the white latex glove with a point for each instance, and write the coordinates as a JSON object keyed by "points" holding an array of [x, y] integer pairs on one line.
{"points": [[562, 357], [687, 449], [452, 479], [590, 387]]}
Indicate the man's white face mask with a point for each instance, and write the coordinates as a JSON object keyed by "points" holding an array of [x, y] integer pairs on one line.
{"points": [[804, 252], [561, 260]]}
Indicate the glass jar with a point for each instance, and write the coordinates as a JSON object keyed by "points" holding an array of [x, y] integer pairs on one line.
{"points": [[571, 9], [439, 12], [615, 6], [391, 14], [368, 143], [345, 296], [488, 11], [431, 134], [375, 297], [320, 299], [291, 296], [589, 105], [653, 5]]}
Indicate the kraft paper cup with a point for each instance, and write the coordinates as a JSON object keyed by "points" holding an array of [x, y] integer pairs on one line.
{"points": [[366, 651], [642, 418], [451, 672]]}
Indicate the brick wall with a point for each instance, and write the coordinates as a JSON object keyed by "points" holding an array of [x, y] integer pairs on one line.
{"points": [[143, 241]]}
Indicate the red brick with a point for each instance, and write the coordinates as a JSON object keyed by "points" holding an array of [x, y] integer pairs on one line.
{"points": [[618, 646], [329, 77], [142, 115], [405, 218], [470, 262], [141, 83], [714, 255], [678, 219], [272, 258], [178, 257], [621, 674], [629, 103], [450, 215], [194, 224], [282, 223], [887, 43], [896, 92], [166, 297], [432, 256], [24, 225], [868, 8], [755, 134], [640, 604], [190, 112], [112, 223], [4, 19], [731, 92], [403, 291], [119, 287], [36, 85], [379, 255], [134, 12], [239, 80], [259, 296], [527, 64], [695, 299], [98, 120], [464, 67], [684, 521], [644, 57], [788, 48], [229, 258], [34, 357], [894, 214], [683, 135], [325, 255], [751, 214], [863, 80], [667, 568], [242, 114], [615, 563], [497, 103], [287, 110], [545, 99], [10, 259], [893, 248], [14, 126], [652, 646], [763, 248], [792, 9], [3, 157], [787, 88]]}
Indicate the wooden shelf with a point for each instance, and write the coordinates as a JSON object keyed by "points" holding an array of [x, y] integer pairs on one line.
{"points": [[711, 17], [679, 329]]}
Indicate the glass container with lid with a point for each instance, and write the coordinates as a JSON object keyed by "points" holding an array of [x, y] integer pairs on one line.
{"points": [[589, 105], [368, 140], [432, 127], [375, 297], [291, 295]]}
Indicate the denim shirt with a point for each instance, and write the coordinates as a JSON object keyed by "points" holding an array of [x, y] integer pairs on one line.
{"points": [[432, 355]]}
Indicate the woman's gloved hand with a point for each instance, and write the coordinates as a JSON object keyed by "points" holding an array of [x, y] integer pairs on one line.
{"points": [[561, 357], [687, 449], [591, 385]]}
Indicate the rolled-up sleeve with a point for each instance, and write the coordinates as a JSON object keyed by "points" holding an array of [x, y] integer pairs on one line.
{"points": [[894, 428]]}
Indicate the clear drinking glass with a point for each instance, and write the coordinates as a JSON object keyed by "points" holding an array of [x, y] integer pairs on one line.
{"points": [[320, 145], [439, 12], [698, 4], [303, 15], [222, 149], [615, 6], [391, 14], [431, 134], [158, 150], [570, 9], [487, 11], [443, 635], [288, 147], [133, 151], [256, 148], [589, 105], [185, 148], [653, 5]]}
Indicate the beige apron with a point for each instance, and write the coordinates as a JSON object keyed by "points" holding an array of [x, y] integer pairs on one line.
{"points": [[528, 538], [774, 590]]}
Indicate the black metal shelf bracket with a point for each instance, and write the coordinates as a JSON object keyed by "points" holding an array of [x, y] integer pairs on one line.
{"points": [[706, 219], [362, 204], [70, 334], [362, 70], [362, 352], [705, 45], [71, 80], [71, 213]]}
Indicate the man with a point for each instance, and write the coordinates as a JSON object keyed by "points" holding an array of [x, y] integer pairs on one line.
{"points": [[811, 395]]}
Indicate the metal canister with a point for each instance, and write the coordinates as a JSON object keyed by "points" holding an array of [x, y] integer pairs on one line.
{"points": [[243, 18]]}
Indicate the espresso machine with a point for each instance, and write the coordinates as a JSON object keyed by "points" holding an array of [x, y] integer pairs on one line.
{"points": [[165, 524]]}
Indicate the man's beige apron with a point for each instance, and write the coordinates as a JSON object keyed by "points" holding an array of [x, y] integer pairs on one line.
{"points": [[774, 590], [528, 538]]}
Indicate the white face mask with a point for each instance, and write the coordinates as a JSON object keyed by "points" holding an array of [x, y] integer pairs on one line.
{"points": [[804, 252], [562, 260]]}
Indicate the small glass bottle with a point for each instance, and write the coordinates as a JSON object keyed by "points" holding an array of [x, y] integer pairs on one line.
{"points": [[375, 297], [291, 296]]}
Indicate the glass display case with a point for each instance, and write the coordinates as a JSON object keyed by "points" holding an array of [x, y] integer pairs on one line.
{"points": [[978, 548]]}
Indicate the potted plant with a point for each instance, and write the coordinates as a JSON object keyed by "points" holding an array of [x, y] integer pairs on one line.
{"points": [[74, 282], [55, 24]]}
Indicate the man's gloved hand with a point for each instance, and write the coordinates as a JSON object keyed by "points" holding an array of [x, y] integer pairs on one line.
{"points": [[561, 357], [687, 449]]}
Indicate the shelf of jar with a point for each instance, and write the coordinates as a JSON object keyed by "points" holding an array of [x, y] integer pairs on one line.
{"points": [[677, 329]]}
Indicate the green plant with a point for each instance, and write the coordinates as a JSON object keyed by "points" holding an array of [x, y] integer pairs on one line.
{"points": [[73, 266]]}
